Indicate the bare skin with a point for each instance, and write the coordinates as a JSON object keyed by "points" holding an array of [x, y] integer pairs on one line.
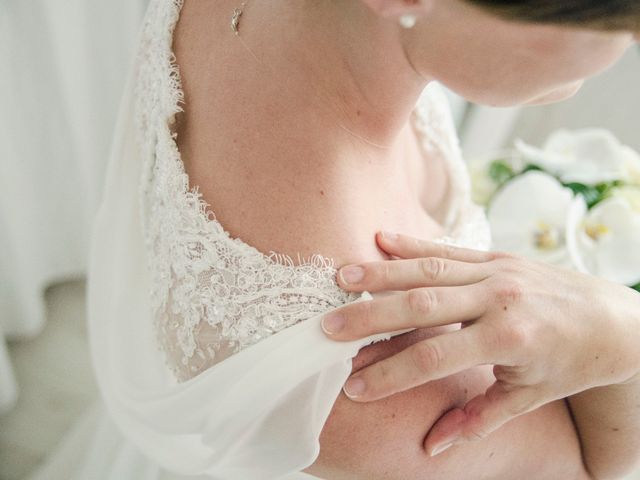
{"points": [[218, 134], [255, 193], [384, 439]]}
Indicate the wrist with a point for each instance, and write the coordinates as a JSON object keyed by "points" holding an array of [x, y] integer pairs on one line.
{"points": [[624, 337], [634, 332]]}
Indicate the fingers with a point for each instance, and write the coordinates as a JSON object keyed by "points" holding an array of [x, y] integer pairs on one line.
{"points": [[406, 246], [430, 359], [416, 308], [444, 432], [412, 273], [481, 416]]}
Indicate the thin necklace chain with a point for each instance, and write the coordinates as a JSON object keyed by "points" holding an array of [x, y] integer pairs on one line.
{"points": [[235, 25]]}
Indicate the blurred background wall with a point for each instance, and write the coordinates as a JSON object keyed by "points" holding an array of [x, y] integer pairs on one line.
{"points": [[62, 69], [610, 100]]}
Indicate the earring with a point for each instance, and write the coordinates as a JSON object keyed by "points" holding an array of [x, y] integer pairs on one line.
{"points": [[408, 20], [235, 18]]}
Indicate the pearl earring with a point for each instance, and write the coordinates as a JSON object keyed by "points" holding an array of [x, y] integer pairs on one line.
{"points": [[408, 20]]}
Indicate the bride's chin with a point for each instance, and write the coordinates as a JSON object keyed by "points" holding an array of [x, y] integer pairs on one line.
{"points": [[557, 95]]}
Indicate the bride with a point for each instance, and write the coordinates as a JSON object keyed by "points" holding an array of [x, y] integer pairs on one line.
{"points": [[301, 128]]}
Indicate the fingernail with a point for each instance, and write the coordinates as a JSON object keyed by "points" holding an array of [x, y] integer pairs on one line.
{"points": [[352, 274], [354, 387], [440, 448], [390, 236], [332, 323]]}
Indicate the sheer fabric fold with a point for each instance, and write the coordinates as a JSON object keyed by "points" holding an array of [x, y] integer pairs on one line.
{"points": [[257, 414]]}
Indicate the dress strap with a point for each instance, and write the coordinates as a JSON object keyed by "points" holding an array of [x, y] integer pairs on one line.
{"points": [[464, 221]]}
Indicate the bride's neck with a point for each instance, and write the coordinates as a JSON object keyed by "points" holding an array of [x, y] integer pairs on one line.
{"points": [[336, 67]]}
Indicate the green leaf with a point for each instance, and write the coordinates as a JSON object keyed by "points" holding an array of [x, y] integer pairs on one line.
{"points": [[590, 193], [605, 188], [636, 287], [531, 167], [593, 194], [500, 171]]}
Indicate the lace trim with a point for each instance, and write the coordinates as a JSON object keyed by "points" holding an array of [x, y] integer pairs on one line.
{"points": [[213, 294], [465, 222]]}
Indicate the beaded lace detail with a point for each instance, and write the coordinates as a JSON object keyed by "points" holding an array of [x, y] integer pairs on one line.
{"points": [[213, 295]]}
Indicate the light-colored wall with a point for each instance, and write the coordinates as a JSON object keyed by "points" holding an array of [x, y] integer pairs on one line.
{"points": [[610, 100]]}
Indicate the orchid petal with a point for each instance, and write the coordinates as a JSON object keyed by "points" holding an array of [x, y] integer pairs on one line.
{"points": [[589, 156], [575, 217], [520, 208], [604, 241]]}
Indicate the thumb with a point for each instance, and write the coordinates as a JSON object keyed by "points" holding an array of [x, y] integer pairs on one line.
{"points": [[481, 416]]}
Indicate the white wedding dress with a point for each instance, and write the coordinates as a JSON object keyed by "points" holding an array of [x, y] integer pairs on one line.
{"points": [[208, 353]]}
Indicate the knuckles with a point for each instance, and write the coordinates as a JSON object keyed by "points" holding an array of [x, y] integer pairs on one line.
{"points": [[380, 379], [427, 357], [447, 251], [383, 272], [363, 312], [477, 421], [499, 255], [384, 374], [508, 288], [509, 264], [421, 302], [432, 268]]}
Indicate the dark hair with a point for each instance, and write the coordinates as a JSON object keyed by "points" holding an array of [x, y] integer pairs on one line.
{"points": [[596, 14]]}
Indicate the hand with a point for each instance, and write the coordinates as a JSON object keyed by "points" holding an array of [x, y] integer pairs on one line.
{"points": [[548, 331]]}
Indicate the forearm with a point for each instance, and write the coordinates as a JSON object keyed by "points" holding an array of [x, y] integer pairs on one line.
{"points": [[608, 422], [607, 417]]}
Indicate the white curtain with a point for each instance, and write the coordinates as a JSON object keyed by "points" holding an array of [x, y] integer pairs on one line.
{"points": [[62, 70]]}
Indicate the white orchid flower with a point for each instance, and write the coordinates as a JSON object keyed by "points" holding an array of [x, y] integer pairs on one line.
{"points": [[528, 216], [588, 156], [632, 168], [631, 194], [605, 241], [483, 184]]}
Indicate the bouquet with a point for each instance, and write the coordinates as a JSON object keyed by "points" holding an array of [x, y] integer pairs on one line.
{"points": [[575, 202]]}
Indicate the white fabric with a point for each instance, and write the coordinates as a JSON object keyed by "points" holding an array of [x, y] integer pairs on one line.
{"points": [[213, 295], [257, 414], [212, 424], [62, 70]]}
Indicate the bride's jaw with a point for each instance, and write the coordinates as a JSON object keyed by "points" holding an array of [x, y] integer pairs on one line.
{"points": [[499, 62], [556, 95], [352, 68]]}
